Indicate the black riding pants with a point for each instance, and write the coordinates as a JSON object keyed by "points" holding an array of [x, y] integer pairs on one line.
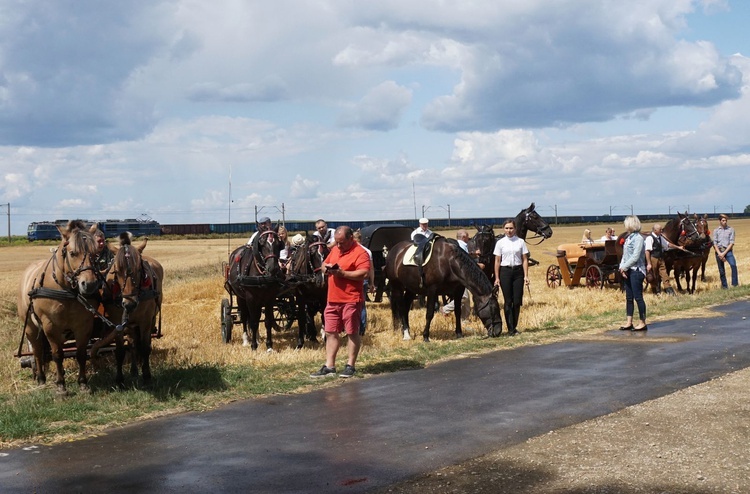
{"points": [[511, 284]]}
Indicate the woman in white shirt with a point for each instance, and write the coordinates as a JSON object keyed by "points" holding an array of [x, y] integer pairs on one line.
{"points": [[511, 273]]}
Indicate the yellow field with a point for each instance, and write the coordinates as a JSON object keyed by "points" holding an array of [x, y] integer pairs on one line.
{"points": [[194, 290]]}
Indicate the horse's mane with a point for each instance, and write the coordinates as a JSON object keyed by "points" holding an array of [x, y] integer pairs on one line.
{"points": [[471, 270]]}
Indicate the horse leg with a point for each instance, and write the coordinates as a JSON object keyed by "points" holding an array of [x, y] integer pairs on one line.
{"points": [[431, 301], [81, 348], [57, 357], [145, 355], [39, 346], [270, 323], [458, 310], [301, 314], [119, 359], [406, 301]]}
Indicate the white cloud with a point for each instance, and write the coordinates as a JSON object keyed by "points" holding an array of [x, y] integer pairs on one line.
{"points": [[380, 109]]}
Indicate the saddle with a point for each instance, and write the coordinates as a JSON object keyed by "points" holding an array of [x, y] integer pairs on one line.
{"points": [[418, 254]]}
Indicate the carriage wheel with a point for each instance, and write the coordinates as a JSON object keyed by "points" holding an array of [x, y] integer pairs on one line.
{"points": [[226, 321], [554, 276], [594, 277], [284, 312]]}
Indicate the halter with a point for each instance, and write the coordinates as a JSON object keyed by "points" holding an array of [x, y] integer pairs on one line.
{"points": [[484, 258], [71, 276], [130, 274], [525, 231]]}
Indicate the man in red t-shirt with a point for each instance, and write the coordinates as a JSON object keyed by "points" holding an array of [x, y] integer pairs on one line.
{"points": [[346, 267]]}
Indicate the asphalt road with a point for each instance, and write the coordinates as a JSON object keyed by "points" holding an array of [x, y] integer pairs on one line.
{"points": [[370, 433]]}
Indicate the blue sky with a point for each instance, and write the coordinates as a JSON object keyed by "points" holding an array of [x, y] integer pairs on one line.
{"points": [[371, 110]]}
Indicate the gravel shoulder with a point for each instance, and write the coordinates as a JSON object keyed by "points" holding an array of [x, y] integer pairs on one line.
{"points": [[696, 440]]}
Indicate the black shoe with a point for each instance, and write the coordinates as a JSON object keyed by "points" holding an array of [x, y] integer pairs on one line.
{"points": [[512, 333], [644, 328], [348, 371], [324, 372], [626, 328]]}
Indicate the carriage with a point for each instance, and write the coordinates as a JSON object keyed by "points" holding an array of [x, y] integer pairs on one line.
{"points": [[595, 263], [284, 307], [380, 238]]}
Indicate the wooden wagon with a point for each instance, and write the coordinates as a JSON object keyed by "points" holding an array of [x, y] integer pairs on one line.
{"points": [[596, 263]]}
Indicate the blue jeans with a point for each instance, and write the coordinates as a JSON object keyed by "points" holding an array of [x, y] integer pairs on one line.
{"points": [[729, 257], [634, 293]]}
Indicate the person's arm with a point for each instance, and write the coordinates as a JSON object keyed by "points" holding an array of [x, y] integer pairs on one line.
{"points": [[497, 269]]}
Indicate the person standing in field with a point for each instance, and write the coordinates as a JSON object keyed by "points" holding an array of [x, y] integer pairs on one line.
{"points": [[724, 250], [346, 266], [633, 271], [511, 273]]}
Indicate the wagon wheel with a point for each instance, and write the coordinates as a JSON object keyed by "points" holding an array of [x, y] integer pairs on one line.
{"points": [[226, 321], [594, 277], [284, 312], [554, 276]]}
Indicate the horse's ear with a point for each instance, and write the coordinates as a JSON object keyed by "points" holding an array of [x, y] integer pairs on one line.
{"points": [[94, 228], [531, 208], [143, 245]]}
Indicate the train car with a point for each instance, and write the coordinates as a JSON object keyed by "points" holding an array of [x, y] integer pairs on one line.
{"points": [[186, 229], [44, 230], [47, 230]]}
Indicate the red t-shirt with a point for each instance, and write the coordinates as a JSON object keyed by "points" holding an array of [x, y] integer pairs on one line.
{"points": [[344, 290]]}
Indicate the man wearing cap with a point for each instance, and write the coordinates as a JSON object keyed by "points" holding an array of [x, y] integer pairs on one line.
{"points": [[423, 228], [264, 224], [723, 247]]}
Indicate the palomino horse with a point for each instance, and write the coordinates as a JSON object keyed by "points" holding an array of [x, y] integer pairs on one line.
{"points": [[54, 302], [447, 272], [484, 240], [255, 278], [311, 288], [134, 289]]}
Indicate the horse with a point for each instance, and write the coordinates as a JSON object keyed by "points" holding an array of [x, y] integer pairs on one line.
{"points": [[311, 289], [447, 272], [484, 240], [694, 239], [681, 231], [54, 302], [255, 278], [133, 295]]}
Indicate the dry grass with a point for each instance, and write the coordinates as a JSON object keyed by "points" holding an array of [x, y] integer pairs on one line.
{"points": [[194, 289]]}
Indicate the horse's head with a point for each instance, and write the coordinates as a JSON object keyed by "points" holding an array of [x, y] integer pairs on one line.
{"points": [[266, 249], [488, 311], [529, 220], [688, 230], [483, 241], [75, 259], [127, 275]]}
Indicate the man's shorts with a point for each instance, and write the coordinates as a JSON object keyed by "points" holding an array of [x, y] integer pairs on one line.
{"points": [[341, 317]]}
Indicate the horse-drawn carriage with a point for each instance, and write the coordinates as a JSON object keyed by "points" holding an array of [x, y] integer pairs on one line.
{"points": [[597, 263]]}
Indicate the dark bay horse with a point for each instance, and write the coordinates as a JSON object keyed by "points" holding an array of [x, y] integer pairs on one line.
{"points": [[683, 231], [528, 220], [310, 285], [701, 224], [255, 278], [55, 300], [448, 271], [133, 297]]}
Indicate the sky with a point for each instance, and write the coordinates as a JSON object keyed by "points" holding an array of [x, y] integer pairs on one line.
{"points": [[186, 111]]}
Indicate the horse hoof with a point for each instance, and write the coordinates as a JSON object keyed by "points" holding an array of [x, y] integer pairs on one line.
{"points": [[459, 336], [84, 388], [61, 392], [269, 350]]}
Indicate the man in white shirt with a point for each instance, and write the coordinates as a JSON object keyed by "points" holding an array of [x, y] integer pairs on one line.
{"points": [[423, 228], [264, 224], [324, 234]]}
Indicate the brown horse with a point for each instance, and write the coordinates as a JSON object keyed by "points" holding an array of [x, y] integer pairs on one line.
{"points": [[447, 272], [310, 285], [55, 300], [134, 284], [701, 224], [693, 237], [681, 231], [255, 278]]}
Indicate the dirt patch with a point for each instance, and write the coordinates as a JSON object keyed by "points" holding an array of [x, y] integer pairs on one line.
{"points": [[696, 440]]}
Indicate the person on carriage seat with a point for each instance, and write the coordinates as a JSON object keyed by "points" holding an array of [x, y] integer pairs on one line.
{"points": [[263, 226], [324, 234], [656, 244], [104, 256], [609, 234], [285, 253]]}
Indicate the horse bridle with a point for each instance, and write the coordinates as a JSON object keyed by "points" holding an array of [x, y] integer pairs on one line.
{"points": [[692, 235], [130, 274], [525, 231], [71, 276], [485, 258], [258, 258]]}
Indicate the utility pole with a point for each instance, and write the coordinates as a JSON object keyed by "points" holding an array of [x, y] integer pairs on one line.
{"points": [[8, 223], [283, 216]]}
